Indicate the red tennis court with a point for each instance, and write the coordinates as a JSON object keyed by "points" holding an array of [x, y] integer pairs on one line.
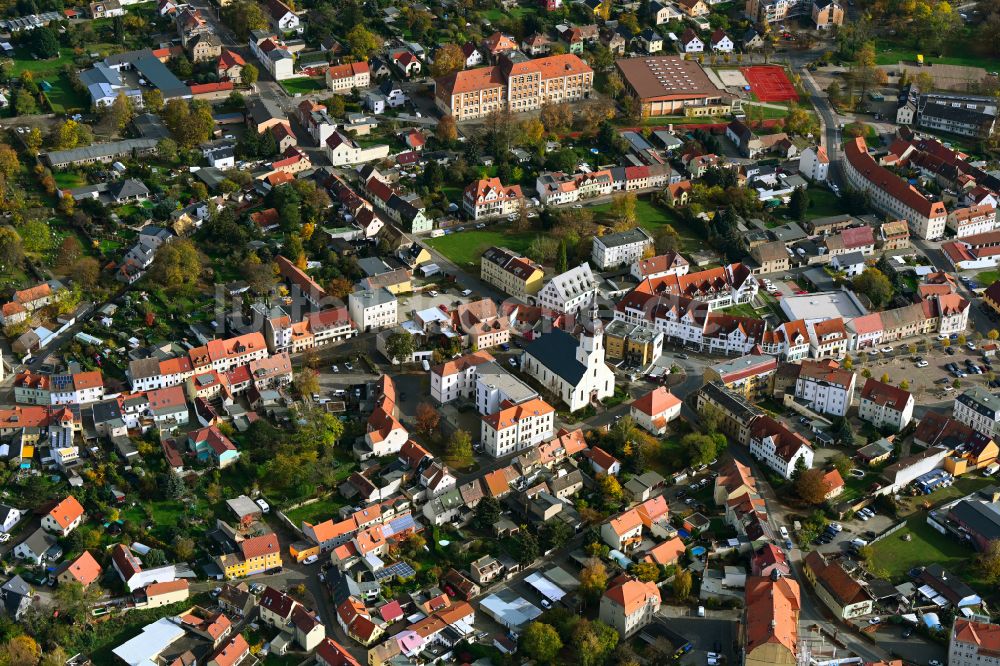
{"points": [[770, 84]]}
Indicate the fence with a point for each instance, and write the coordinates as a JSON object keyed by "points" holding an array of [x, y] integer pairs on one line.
{"points": [[892, 530]]}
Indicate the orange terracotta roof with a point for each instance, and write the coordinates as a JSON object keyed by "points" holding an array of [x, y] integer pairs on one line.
{"points": [[633, 594], [66, 512], [656, 402]]}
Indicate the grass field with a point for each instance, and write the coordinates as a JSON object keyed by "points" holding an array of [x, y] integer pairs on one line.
{"points": [[496, 14], [63, 97], [23, 62], [740, 310], [465, 247], [69, 179], [887, 55], [319, 511], [822, 203], [652, 217], [303, 85], [986, 278], [897, 556]]}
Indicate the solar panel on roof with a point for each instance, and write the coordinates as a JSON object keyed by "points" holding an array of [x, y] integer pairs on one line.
{"points": [[399, 569]]}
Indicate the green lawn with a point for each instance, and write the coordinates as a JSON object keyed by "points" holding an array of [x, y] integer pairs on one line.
{"points": [[303, 85], [927, 545], [23, 62], [823, 203], [740, 310], [652, 217], [892, 55], [465, 247], [986, 278], [63, 97], [319, 511], [496, 14], [69, 179]]}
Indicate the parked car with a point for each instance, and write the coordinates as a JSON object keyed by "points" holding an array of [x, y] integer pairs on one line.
{"points": [[263, 505]]}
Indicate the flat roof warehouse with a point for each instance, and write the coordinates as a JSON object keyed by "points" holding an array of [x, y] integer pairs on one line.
{"points": [[668, 78]]}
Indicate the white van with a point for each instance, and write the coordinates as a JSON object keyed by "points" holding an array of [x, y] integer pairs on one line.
{"points": [[991, 469], [426, 366]]}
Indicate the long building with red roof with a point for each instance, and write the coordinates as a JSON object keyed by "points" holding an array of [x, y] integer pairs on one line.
{"points": [[892, 195], [514, 86]]}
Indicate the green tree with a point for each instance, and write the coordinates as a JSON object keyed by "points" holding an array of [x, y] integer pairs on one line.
{"points": [[10, 165], [399, 346], [525, 547], [448, 59], [24, 103], [362, 42], [810, 486], [306, 382], [562, 262], [988, 561], [876, 286], [11, 249], [593, 580], [593, 642], [682, 585], [487, 514], [541, 642], [152, 100], [798, 205], [458, 453], [645, 571], [843, 464], [177, 264], [121, 111], [250, 74], [44, 43]]}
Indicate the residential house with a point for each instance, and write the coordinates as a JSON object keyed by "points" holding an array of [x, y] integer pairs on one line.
{"points": [[654, 410], [512, 274], [885, 406], [64, 517], [778, 447], [769, 631], [825, 386], [844, 596], [628, 605]]}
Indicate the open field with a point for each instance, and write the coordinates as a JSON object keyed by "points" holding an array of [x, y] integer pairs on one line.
{"points": [[317, 512], [465, 247], [890, 55], [927, 545], [303, 85], [63, 97], [652, 217]]}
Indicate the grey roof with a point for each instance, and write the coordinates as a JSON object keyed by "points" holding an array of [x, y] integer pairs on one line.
{"points": [[99, 151], [261, 110], [5, 511], [956, 114], [788, 232], [981, 401], [373, 266], [128, 57], [372, 297], [557, 352], [130, 187], [850, 259], [211, 176], [17, 586], [109, 410], [161, 78], [629, 237], [39, 541], [150, 126], [981, 517]]}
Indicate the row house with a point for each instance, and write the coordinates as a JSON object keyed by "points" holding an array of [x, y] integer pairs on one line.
{"points": [[885, 406], [790, 341], [348, 77], [556, 188], [828, 339], [825, 387], [488, 197], [671, 263], [223, 355], [148, 373], [512, 274], [516, 427], [972, 220], [456, 378], [778, 447], [891, 195]]}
